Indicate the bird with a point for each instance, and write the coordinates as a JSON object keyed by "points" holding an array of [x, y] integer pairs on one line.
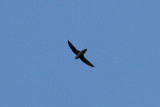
{"points": [[80, 54]]}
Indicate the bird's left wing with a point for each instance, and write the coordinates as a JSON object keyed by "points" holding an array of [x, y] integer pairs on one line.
{"points": [[86, 61], [73, 48]]}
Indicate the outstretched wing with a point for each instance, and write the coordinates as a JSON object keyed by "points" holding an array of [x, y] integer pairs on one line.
{"points": [[86, 61], [73, 48]]}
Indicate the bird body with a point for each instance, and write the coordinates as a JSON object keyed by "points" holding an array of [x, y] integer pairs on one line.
{"points": [[80, 54]]}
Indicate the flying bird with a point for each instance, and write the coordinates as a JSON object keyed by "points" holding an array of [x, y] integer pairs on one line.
{"points": [[80, 54]]}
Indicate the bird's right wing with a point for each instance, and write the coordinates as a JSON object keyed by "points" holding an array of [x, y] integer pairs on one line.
{"points": [[73, 48], [86, 61]]}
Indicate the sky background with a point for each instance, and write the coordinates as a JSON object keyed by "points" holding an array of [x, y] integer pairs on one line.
{"points": [[38, 69]]}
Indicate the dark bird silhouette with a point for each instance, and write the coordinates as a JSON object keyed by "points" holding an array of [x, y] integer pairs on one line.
{"points": [[80, 54]]}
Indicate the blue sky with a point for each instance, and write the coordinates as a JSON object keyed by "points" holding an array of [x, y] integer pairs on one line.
{"points": [[38, 69]]}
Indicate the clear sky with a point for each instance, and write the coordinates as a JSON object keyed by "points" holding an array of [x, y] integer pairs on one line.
{"points": [[38, 69]]}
